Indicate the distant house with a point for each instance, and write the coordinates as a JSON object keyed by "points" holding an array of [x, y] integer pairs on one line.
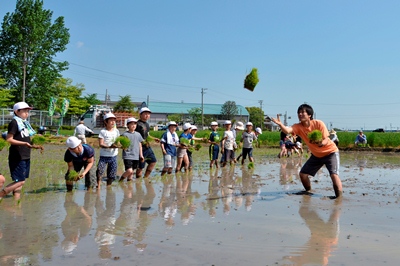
{"points": [[161, 110]]}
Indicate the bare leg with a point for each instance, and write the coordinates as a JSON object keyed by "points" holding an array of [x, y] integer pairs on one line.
{"points": [[305, 181], [337, 185], [149, 169]]}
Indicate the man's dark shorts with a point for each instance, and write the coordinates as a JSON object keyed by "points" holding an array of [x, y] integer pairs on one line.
{"points": [[313, 164], [149, 158]]}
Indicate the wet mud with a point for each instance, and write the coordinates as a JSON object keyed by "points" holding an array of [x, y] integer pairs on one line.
{"points": [[230, 216]]}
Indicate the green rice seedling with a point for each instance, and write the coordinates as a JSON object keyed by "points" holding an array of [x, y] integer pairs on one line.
{"points": [[184, 141], [250, 165], [72, 175], [315, 136], [38, 140], [123, 141], [251, 80], [197, 147], [3, 143]]}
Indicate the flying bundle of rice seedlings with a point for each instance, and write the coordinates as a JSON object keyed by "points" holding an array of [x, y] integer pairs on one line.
{"points": [[3, 143], [251, 80], [315, 136], [72, 175], [184, 141], [123, 141]]}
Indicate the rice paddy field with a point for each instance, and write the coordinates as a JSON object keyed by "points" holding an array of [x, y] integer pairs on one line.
{"points": [[231, 216]]}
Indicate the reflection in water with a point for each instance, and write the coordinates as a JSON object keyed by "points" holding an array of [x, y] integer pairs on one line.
{"points": [[134, 219], [231, 189], [324, 235], [177, 198], [105, 223], [289, 171], [77, 222]]}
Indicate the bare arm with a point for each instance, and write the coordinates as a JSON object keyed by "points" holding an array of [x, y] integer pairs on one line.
{"points": [[12, 141], [285, 129]]}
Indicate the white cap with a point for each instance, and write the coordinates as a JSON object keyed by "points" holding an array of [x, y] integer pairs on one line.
{"points": [[227, 122], [249, 124], [73, 142], [144, 109], [171, 123], [131, 119], [258, 130], [239, 125], [21, 105], [193, 127], [109, 115], [186, 126], [214, 123]]}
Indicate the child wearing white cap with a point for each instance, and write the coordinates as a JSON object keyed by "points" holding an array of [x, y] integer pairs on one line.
{"points": [[248, 137], [79, 156], [227, 145], [169, 142], [182, 150], [108, 150], [214, 140], [134, 153], [19, 159]]}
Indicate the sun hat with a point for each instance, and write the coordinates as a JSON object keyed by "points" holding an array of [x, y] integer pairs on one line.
{"points": [[109, 115], [186, 126], [144, 109], [227, 122], [249, 124], [73, 142], [258, 130], [194, 127], [171, 123], [239, 125], [131, 119], [21, 105], [213, 123]]}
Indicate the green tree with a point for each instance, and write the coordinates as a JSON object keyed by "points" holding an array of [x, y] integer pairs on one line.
{"points": [[194, 114], [30, 40], [92, 99], [256, 116], [77, 105], [5, 95], [178, 118], [229, 110], [124, 104]]}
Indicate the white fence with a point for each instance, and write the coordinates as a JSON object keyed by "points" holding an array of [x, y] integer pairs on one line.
{"points": [[40, 118]]}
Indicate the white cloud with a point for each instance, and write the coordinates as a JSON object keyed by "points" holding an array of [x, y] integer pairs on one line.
{"points": [[80, 44]]}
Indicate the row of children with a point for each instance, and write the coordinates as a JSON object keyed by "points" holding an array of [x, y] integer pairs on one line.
{"points": [[227, 144]]}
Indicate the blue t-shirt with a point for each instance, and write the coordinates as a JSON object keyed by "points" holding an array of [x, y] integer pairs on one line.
{"points": [[170, 148], [79, 160]]}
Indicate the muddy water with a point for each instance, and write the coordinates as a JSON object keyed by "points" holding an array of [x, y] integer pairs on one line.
{"points": [[225, 217]]}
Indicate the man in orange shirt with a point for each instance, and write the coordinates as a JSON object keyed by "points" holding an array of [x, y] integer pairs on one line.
{"points": [[323, 152]]}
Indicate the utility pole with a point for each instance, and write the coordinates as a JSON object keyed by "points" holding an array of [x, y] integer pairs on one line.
{"points": [[261, 104], [202, 107], [105, 100]]}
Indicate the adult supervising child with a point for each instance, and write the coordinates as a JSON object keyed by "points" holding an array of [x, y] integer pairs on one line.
{"points": [[323, 152], [134, 153], [79, 156], [108, 150], [19, 159]]}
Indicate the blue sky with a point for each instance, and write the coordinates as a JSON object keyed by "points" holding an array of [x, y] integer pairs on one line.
{"points": [[342, 57]]}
